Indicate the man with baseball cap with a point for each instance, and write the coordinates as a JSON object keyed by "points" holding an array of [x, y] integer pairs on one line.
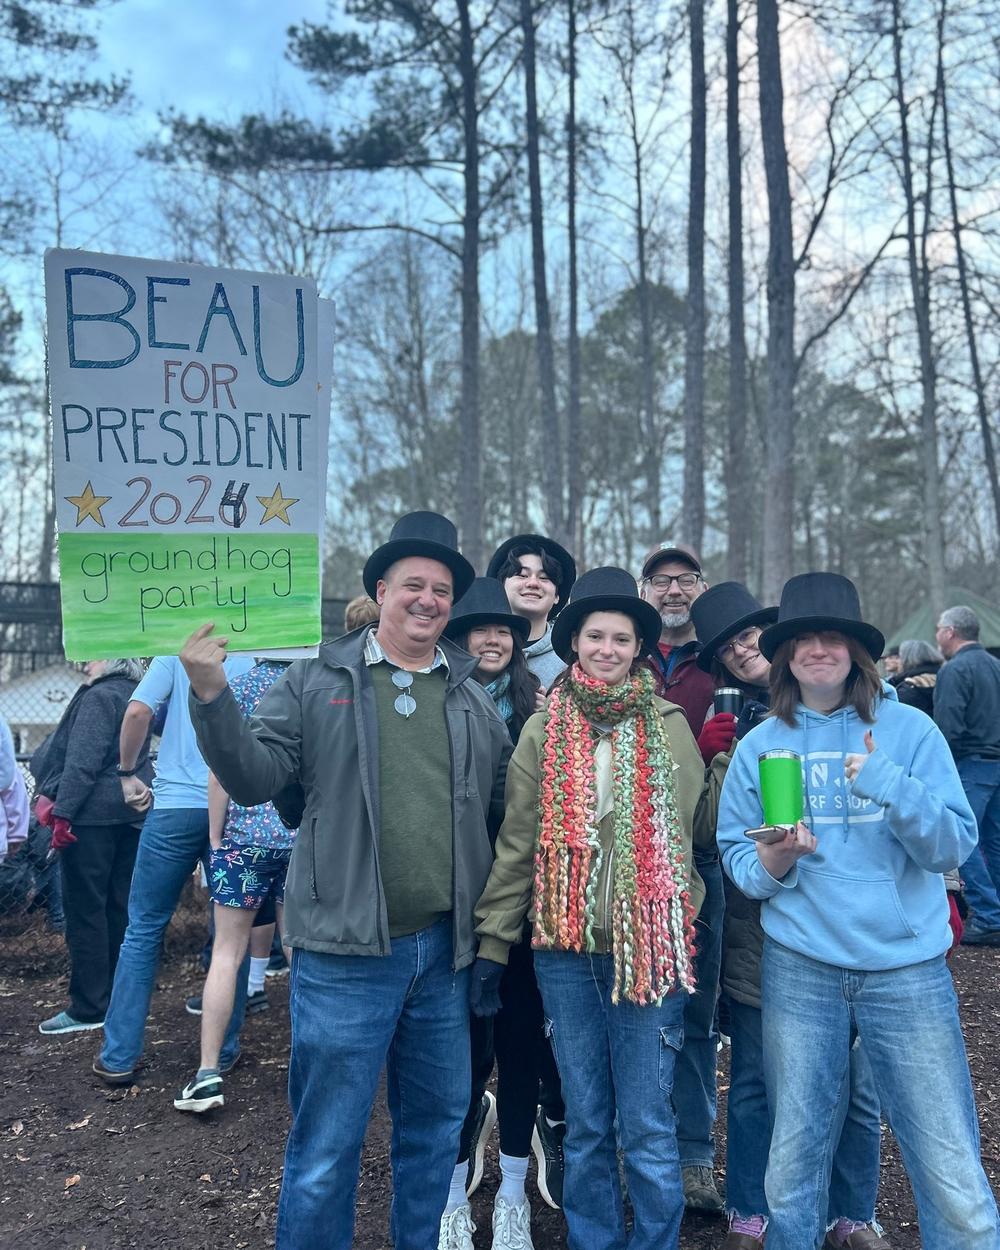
{"points": [[401, 758], [671, 580]]}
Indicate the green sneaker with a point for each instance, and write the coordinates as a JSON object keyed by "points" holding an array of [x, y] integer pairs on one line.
{"points": [[64, 1023]]}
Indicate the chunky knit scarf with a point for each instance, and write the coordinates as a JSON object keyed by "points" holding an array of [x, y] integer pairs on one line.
{"points": [[499, 689], [651, 919]]}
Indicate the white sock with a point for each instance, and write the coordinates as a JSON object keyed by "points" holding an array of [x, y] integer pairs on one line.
{"points": [[512, 1176], [255, 981], [456, 1193]]}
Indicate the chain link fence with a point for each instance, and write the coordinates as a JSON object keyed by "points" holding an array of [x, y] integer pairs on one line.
{"points": [[36, 684]]}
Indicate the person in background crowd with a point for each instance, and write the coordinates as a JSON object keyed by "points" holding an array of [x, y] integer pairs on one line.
{"points": [[537, 575], [919, 665], [671, 582], [596, 840], [174, 838], [360, 611], [892, 665], [967, 711], [247, 866], [8, 757], [13, 796], [856, 925], [483, 624], [401, 757], [96, 834], [729, 621]]}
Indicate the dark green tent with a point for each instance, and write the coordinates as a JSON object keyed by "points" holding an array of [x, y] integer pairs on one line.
{"points": [[921, 623]]}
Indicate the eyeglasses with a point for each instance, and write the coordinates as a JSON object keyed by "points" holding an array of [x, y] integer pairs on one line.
{"points": [[746, 641], [685, 581], [405, 704]]}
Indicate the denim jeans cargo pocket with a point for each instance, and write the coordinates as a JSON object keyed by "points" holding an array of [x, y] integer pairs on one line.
{"points": [[671, 1041]]}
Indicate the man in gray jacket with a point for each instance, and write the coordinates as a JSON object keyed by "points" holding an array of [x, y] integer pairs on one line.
{"points": [[401, 760]]}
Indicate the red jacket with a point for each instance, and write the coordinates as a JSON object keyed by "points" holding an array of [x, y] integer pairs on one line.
{"points": [[679, 680]]}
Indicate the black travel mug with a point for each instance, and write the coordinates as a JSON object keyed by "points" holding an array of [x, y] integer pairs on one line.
{"points": [[728, 699]]}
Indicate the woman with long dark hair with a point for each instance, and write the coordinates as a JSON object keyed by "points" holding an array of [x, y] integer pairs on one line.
{"points": [[729, 621], [484, 625], [855, 921], [597, 844]]}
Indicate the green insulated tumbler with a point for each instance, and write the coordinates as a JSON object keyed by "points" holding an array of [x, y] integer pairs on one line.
{"points": [[781, 787]]}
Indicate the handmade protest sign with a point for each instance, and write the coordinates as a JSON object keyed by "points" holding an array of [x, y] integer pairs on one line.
{"points": [[189, 447]]}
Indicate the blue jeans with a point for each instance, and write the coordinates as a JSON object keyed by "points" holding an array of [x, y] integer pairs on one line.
{"points": [[614, 1059], [171, 843], [694, 1095], [907, 1020], [981, 871], [352, 1015], [853, 1179]]}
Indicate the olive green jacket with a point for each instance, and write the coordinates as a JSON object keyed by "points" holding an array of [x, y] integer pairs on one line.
{"points": [[506, 901], [742, 935]]}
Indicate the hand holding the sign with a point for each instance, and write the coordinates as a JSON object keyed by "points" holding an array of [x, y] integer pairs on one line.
{"points": [[780, 857], [203, 658], [853, 764]]}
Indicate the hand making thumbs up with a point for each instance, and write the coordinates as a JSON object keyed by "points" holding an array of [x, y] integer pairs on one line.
{"points": [[853, 764]]}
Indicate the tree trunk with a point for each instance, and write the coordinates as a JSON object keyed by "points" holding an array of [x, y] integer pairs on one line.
{"points": [[652, 453], [693, 518], [934, 540], [779, 496], [963, 282], [737, 468], [470, 506], [573, 475], [552, 475]]}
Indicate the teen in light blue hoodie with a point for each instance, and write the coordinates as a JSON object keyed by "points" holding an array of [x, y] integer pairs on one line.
{"points": [[856, 925]]}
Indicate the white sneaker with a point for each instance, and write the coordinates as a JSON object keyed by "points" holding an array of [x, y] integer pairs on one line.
{"points": [[511, 1225], [456, 1229]]}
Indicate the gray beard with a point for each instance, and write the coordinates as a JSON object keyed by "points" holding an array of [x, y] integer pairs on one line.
{"points": [[675, 620]]}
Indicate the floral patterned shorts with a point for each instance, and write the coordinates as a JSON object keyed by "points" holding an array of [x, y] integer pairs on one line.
{"points": [[243, 876]]}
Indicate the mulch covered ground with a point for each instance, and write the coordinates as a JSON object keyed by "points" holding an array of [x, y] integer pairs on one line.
{"points": [[85, 1166]]}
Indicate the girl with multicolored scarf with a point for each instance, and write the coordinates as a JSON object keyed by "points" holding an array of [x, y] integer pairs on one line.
{"points": [[596, 846]]}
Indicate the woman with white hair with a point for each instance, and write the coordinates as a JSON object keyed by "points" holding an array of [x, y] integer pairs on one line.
{"points": [[96, 834]]}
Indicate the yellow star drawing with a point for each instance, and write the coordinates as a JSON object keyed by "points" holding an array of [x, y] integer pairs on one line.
{"points": [[276, 505], [88, 505]]}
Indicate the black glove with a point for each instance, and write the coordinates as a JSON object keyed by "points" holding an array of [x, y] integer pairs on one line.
{"points": [[484, 987]]}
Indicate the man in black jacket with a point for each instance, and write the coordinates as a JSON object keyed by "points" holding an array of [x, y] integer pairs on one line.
{"points": [[402, 761], [967, 711]]}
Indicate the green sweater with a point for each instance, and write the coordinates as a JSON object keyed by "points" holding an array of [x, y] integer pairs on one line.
{"points": [[414, 781]]}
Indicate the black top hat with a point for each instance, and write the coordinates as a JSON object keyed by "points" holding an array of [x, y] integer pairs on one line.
{"points": [[721, 612], [484, 603], [421, 534], [605, 590], [538, 542], [815, 602]]}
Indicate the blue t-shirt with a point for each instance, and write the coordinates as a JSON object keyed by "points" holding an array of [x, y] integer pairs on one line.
{"points": [[181, 774]]}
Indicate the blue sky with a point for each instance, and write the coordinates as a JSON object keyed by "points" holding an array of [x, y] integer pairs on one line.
{"points": [[214, 57]]}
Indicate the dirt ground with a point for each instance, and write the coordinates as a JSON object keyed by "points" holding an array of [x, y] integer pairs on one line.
{"points": [[83, 1166]]}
